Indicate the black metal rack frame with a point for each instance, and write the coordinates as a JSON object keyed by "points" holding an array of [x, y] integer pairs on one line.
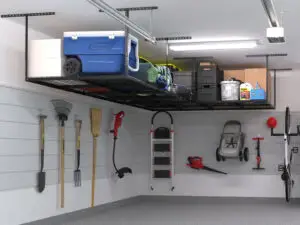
{"points": [[127, 90]]}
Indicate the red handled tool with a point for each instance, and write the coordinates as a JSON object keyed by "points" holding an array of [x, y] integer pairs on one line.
{"points": [[258, 156], [196, 162], [118, 123]]}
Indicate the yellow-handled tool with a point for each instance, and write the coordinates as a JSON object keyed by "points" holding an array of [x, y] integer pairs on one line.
{"points": [[96, 117], [62, 109]]}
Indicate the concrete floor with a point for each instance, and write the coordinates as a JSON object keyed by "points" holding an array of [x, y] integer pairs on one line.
{"points": [[204, 211]]}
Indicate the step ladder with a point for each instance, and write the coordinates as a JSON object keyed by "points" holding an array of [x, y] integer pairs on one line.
{"points": [[162, 153]]}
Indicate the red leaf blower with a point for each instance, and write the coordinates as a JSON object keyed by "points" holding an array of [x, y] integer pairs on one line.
{"points": [[196, 162], [118, 123]]}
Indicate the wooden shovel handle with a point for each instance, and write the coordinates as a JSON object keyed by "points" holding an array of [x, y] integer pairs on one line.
{"points": [[94, 170], [62, 167]]}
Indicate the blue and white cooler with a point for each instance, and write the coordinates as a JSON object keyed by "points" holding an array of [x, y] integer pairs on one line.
{"points": [[100, 52]]}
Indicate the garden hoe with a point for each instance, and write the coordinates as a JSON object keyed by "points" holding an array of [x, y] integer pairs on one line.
{"points": [[95, 117], [77, 172], [41, 176], [62, 109]]}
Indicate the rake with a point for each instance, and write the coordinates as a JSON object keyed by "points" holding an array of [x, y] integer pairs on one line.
{"points": [[77, 172], [95, 117], [62, 109]]}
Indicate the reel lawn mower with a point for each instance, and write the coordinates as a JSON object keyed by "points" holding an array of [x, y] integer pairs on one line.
{"points": [[232, 143]]}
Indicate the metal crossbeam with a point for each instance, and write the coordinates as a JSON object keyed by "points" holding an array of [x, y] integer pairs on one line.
{"points": [[27, 14], [146, 8], [173, 38], [267, 55]]}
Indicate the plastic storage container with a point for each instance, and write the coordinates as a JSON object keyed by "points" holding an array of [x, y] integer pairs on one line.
{"points": [[257, 93], [209, 75], [245, 90], [45, 58], [102, 51], [230, 90], [208, 93]]}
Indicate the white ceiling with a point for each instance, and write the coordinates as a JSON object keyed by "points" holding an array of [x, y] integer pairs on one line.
{"points": [[197, 18]]}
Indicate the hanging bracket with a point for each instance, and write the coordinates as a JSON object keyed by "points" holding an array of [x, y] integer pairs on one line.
{"points": [[26, 16]]}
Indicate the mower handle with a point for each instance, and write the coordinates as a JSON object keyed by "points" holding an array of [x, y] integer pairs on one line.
{"points": [[158, 112]]}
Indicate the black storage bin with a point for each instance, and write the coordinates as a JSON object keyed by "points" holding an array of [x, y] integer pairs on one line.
{"points": [[162, 161], [162, 147], [209, 75], [162, 174], [208, 93]]}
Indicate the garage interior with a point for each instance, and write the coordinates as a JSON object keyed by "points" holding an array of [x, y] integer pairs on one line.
{"points": [[149, 112]]}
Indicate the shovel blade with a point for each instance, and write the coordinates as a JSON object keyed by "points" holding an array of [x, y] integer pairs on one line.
{"points": [[77, 178], [41, 177]]}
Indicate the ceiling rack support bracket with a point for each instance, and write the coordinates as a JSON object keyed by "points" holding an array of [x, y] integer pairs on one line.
{"points": [[26, 16], [267, 58]]}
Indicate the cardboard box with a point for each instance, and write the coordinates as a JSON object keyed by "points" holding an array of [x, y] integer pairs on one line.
{"points": [[259, 75], [237, 74], [254, 76]]}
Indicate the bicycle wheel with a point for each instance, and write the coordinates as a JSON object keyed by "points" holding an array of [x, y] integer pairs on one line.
{"points": [[288, 188]]}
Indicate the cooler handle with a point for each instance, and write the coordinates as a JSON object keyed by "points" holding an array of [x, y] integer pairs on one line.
{"points": [[135, 41]]}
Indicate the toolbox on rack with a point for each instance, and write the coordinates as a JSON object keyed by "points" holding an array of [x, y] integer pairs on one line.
{"points": [[99, 52], [208, 93], [209, 74]]}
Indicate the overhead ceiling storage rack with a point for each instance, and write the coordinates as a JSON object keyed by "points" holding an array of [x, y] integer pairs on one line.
{"points": [[140, 94]]}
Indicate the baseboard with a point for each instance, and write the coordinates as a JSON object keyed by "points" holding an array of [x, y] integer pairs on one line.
{"points": [[84, 213], [217, 200]]}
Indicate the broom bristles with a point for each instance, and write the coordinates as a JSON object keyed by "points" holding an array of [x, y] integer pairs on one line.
{"points": [[96, 116]]}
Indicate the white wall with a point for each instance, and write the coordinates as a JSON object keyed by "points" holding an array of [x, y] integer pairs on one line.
{"points": [[20, 104], [198, 134]]}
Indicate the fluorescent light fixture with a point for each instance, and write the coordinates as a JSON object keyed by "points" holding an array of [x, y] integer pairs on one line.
{"points": [[122, 19], [220, 45]]}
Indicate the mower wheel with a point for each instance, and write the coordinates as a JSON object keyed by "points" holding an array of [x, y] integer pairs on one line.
{"points": [[241, 156], [246, 154], [223, 159], [218, 156]]}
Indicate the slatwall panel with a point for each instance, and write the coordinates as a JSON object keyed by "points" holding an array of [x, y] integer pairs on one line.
{"points": [[19, 141], [198, 134]]}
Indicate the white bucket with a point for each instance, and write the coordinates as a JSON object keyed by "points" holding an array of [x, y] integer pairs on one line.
{"points": [[230, 90]]}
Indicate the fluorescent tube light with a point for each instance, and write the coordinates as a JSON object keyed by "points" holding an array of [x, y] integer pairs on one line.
{"points": [[122, 19], [222, 45]]}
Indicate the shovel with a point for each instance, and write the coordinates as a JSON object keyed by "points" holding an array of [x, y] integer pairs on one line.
{"points": [[77, 172], [41, 176], [62, 109]]}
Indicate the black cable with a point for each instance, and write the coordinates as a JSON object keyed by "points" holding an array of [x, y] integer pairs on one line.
{"points": [[113, 155]]}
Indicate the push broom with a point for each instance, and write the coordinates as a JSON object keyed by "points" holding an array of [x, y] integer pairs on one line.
{"points": [[62, 109], [95, 116]]}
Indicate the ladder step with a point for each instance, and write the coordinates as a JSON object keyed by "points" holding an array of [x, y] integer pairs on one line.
{"points": [[162, 140], [162, 161], [162, 174], [162, 147]]}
